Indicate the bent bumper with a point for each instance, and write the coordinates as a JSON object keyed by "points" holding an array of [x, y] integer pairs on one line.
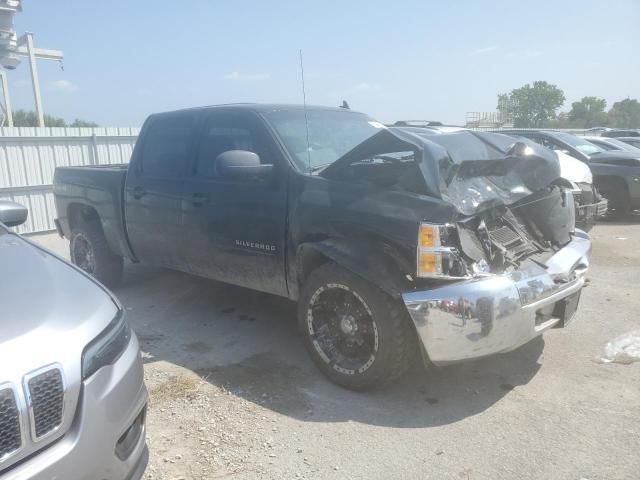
{"points": [[107, 438], [498, 313], [587, 215]]}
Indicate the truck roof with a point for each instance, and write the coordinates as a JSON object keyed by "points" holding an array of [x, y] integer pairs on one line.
{"points": [[262, 107]]}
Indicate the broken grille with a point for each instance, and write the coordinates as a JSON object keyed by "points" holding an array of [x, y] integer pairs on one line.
{"points": [[511, 240]]}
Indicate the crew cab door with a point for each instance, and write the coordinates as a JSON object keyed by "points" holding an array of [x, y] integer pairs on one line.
{"points": [[154, 189], [236, 226]]}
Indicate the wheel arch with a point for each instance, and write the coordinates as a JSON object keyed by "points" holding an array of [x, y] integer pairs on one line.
{"points": [[382, 267], [78, 213]]}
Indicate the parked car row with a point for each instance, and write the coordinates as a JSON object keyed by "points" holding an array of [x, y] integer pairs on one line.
{"points": [[616, 173]]}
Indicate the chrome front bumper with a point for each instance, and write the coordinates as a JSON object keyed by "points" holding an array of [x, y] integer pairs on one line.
{"points": [[498, 313]]}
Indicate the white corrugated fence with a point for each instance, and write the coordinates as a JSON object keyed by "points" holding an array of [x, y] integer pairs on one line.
{"points": [[29, 156]]}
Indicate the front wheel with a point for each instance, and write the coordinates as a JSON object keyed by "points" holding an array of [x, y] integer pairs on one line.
{"points": [[89, 250], [358, 336]]}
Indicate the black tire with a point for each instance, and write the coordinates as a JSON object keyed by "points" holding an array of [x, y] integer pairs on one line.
{"points": [[395, 343], [619, 203], [619, 200], [98, 261]]}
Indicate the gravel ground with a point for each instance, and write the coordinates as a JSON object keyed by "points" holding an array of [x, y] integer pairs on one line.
{"points": [[234, 395]]}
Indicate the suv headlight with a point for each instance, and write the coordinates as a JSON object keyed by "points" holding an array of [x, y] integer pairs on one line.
{"points": [[107, 347], [438, 256]]}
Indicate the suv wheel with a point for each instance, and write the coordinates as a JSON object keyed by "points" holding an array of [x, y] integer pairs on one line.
{"points": [[88, 249], [358, 336]]}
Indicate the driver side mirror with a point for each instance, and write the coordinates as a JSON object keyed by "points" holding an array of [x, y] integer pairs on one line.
{"points": [[241, 164], [12, 214]]}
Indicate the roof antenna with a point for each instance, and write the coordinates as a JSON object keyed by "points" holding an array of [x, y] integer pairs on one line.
{"points": [[304, 107]]}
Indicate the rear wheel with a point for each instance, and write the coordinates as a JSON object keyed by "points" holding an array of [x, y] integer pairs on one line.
{"points": [[88, 249], [617, 195], [358, 336], [619, 202]]}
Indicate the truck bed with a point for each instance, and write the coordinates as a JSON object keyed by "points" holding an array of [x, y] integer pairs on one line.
{"points": [[84, 192]]}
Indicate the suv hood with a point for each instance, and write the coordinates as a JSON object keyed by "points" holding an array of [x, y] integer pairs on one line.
{"points": [[48, 307], [616, 157], [473, 171]]}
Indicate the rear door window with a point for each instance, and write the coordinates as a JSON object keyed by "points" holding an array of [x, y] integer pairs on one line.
{"points": [[167, 145]]}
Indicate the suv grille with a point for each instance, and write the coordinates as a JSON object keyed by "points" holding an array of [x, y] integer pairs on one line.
{"points": [[46, 391], [10, 437]]}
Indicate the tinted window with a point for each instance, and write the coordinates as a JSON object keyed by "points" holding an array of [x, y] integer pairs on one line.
{"points": [[604, 145], [229, 131], [578, 143], [166, 145]]}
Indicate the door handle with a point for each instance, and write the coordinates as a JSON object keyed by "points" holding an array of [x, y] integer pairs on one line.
{"points": [[198, 199], [138, 193]]}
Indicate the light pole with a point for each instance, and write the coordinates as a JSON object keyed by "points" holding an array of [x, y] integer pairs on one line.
{"points": [[7, 99], [11, 48], [26, 49]]}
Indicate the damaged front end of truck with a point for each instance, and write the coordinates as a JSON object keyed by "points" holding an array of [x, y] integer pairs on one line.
{"points": [[508, 264]]}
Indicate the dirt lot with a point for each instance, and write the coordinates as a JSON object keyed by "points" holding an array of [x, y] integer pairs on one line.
{"points": [[234, 395]]}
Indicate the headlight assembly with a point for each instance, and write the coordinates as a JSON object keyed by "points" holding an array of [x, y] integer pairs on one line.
{"points": [[107, 347], [438, 256]]}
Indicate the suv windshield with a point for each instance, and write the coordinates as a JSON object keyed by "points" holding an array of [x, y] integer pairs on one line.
{"points": [[332, 133], [578, 143]]}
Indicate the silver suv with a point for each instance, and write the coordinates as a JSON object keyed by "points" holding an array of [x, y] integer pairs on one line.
{"points": [[72, 393]]}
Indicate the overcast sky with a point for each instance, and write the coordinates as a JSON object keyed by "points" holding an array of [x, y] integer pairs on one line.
{"points": [[394, 60]]}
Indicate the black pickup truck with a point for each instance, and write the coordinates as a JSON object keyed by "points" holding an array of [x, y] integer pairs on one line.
{"points": [[392, 241]]}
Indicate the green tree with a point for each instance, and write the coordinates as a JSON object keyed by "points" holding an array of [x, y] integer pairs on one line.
{"points": [[28, 118], [83, 123], [532, 105], [588, 112], [24, 118], [625, 114]]}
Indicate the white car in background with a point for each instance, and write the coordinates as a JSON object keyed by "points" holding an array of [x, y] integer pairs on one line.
{"points": [[589, 203]]}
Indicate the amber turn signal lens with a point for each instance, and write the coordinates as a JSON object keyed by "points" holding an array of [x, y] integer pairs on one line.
{"points": [[429, 263], [429, 236]]}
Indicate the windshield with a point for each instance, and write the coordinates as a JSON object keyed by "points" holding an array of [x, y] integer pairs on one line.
{"points": [[331, 134], [578, 143]]}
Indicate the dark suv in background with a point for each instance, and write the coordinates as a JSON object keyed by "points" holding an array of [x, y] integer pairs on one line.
{"points": [[616, 174]]}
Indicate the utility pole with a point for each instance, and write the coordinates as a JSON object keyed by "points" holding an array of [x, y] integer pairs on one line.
{"points": [[26, 49], [7, 99], [35, 81], [12, 47]]}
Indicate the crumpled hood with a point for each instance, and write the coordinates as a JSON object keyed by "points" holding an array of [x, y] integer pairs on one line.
{"points": [[471, 170]]}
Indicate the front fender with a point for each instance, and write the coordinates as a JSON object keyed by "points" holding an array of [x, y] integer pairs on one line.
{"points": [[378, 263]]}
